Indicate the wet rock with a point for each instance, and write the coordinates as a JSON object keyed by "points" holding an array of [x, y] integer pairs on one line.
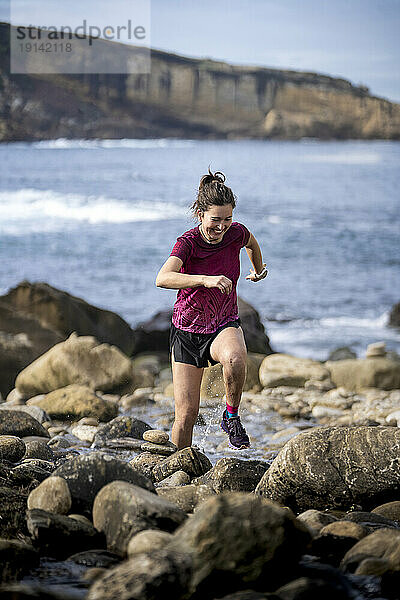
{"points": [[60, 536], [162, 449], [95, 558], [156, 436], [12, 448], [238, 540], [145, 462], [309, 588], [46, 465], [384, 544], [283, 369], [87, 474], [37, 413], [148, 541], [357, 374], [233, 474], [335, 467], [190, 460], [86, 433], [121, 509], [373, 566], [187, 497], [121, 427], [176, 479], [316, 519], [12, 512], [390, 510], [159, 574], [16, 558], [21, 424], [52, 495], [39, 449], [75, 401], [369, 519], [79, 360], [80, 518]]}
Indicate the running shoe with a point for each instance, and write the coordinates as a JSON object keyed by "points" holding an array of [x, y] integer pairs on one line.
{"points": [[238, 437]]}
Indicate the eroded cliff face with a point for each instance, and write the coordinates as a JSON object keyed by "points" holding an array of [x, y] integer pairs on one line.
{"points": [[184, 97]]}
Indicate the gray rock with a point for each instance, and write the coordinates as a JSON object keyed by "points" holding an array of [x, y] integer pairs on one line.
{"points": [[187, 497], [147, 576], [87, 474], [335, 467], [148, 541], [394, 317], [16, 558], [316, 519], [39, 449], [156, 436], [26, 474], [52, 495], [391, 510], [12, 448], [121, 509], [357, 374], [345, 529], [121, 427], [238, 541], [342, 353], [60, 536], [190, 460], [234, 475], [21, 424]]}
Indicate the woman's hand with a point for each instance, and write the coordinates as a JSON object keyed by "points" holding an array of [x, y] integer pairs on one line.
{"points": [[219, 281], [257, 276]]}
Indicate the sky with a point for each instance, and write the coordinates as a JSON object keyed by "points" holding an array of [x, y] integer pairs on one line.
{"points": [[355, 39]]}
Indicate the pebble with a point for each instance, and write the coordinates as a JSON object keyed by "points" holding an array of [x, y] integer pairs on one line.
{"points": [[53, 431], [86, 433], [156, 436], [164, 450], [93, 421]]}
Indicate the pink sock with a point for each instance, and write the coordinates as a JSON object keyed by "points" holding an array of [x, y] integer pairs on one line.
{"points": [[231, 411]]}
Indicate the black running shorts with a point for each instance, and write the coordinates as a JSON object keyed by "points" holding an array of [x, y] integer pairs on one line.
{"points": [[194, 348]]}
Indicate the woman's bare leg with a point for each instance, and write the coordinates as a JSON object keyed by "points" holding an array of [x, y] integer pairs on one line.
{"points": [[229, 348], [187, 382]]}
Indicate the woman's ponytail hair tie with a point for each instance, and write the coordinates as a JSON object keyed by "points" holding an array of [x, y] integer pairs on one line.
{"points": [[212, 191]]}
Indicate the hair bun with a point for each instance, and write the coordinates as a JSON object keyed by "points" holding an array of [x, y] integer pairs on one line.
{"points": [[216, 177]]}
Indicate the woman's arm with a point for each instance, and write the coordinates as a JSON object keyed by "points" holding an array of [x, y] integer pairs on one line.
{"points": [[170, 278], [254, 253]]}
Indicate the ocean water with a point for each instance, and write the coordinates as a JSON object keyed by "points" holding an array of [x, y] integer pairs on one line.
{"points": [[98, 219]]}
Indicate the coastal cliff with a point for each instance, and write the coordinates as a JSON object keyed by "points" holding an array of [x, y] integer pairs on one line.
{"points": [[186, 97]]}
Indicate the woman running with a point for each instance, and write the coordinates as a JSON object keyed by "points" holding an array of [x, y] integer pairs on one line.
{"points": [[204, 266]]}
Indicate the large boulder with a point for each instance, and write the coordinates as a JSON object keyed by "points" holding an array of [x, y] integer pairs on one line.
{"points": [[22, 340], [153, 335], [356, 374], [283, 369], [21, 424], [80, 360], [87, 474], [121, 510], [237, 541], [335, 467], [74, 402], [63, 313]]}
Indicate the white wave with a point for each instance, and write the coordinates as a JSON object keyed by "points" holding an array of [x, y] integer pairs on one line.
{"points": [[277, 220], [345, 158], [45, 210], [64, 143], [378, 322]]}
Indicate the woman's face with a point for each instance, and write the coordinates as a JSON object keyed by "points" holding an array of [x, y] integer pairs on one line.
{"points": [[215, 222]]}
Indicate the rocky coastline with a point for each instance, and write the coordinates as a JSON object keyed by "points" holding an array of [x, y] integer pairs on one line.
{"points": [[97, 503]]}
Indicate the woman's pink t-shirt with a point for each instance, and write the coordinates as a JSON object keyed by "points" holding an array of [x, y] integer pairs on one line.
{"points": [[200, 309]]}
